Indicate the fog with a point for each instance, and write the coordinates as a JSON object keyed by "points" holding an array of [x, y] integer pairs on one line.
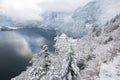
{"points": [[23, 10]]}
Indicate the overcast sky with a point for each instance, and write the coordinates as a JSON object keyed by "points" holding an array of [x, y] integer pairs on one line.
{"points": [[31, 9]]}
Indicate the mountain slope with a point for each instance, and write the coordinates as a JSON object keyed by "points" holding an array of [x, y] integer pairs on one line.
{"points": [[93, 57], [78, 23]]}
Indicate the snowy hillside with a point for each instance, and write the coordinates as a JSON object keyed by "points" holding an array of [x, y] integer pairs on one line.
{"points": [[74, 24], [53, 19], [79, 22], [5, 20], [95, 56]]}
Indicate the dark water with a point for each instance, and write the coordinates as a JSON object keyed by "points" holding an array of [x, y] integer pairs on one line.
{"points": [[33, 34], [15, 47]]}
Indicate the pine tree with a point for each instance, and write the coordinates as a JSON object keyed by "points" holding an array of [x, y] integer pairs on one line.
{"points": [[70, 70], [44, 64]]}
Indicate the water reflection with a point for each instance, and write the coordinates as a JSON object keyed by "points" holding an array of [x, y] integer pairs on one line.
{"points": [[14, 55], [17, 46]]}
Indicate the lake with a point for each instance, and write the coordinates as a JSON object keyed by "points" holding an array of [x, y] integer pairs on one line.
{"points": [[17, 46]]}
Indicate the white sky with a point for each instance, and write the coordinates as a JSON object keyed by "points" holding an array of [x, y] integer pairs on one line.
{"points": [[31, 9]]}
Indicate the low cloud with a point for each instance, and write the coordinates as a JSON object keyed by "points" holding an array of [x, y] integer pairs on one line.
{"points": [[62, 5], [20, 9], [32, 9]]}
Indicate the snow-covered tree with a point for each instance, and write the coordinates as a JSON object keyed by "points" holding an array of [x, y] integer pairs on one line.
{"points": [[89, 58]]}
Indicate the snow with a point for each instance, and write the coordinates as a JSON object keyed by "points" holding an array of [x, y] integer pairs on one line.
{"points": [[94, 56], [109, 9], [89, 58], [110, 71], [79, 22]]}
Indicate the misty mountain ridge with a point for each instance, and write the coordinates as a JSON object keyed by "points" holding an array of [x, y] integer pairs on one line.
{"points": [[74, 24]]}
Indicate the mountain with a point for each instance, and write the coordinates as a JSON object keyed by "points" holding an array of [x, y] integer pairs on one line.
{"points": [[82, 20], [78, 23], [5, 20], [95, 56], [74, 24], [87, 47], [53, 19]]}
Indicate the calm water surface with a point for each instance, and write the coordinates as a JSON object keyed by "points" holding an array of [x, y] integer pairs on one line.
{"points": [[17, 46]]}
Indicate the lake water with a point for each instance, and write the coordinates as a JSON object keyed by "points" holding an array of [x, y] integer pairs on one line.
{"points": [[16, 47]]}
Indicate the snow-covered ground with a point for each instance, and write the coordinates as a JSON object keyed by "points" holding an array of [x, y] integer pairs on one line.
{"points": [[95, 56], [87, 46]]}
